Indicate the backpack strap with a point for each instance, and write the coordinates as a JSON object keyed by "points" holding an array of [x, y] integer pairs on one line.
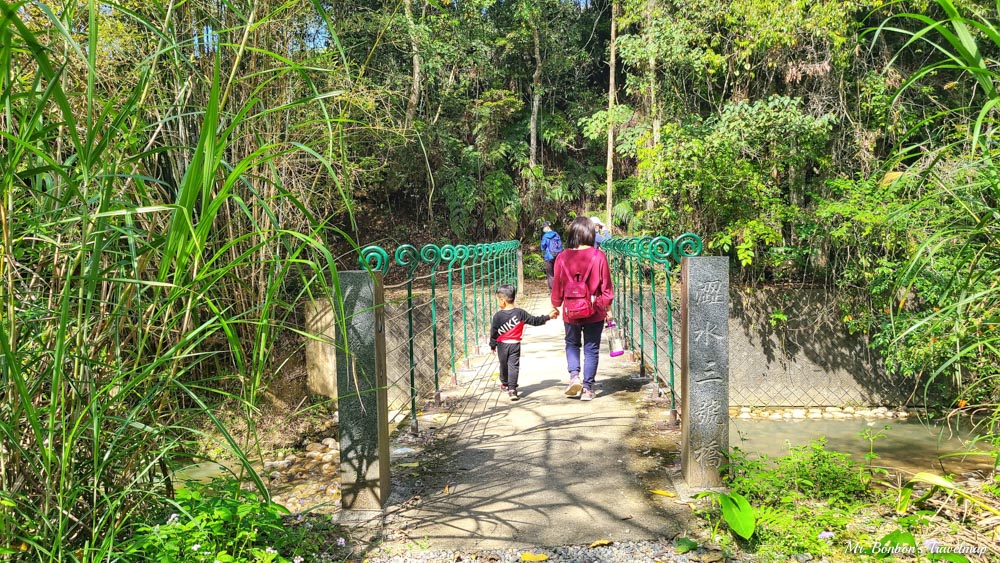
{"points": [[586, 275]]}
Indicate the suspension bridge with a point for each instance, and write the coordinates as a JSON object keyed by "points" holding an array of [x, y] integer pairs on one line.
{"points": [[545, 470]]}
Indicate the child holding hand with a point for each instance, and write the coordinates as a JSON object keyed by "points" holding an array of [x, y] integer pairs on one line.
{"points": [[505, 336]]}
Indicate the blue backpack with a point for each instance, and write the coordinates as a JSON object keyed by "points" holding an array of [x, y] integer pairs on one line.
{"points": [[555, 246]]}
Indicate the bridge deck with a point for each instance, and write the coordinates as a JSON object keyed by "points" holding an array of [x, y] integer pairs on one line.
{"points": [[546, 470]]}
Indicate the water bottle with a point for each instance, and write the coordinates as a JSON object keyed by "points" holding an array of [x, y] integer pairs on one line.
{"points": [[615, 343]]}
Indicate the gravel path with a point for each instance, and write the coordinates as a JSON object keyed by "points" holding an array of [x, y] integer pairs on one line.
{"points": [[624, 552]]}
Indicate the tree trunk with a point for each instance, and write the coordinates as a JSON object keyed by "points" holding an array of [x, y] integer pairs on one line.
{"points": [[611, 122], [654, 110], [536, 100], [411, 103]]}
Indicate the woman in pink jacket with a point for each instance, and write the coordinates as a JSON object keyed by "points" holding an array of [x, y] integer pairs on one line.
{"points": [[582, 282]]}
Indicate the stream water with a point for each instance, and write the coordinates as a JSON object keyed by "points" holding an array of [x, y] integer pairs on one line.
{"points": [[909, 446]]}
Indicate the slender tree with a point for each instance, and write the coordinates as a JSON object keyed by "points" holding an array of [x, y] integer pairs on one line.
{"points": [[609, 191], [536, 98], [414, 98]]}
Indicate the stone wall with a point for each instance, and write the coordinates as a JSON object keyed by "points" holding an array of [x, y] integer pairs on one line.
{"points": [[809, 359]]}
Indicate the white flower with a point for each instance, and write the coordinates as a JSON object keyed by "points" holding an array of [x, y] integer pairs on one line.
{"points": [[196, 547], [341, 542], [270, 549]]}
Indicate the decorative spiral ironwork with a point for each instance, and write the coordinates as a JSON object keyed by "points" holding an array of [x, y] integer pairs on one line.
{"points": [[645, 248], [632, 247], [659, 250], [374, 258], [430, 254], [662, 250], [449, 253], [462, 252], [408, 257], [687, 245]]}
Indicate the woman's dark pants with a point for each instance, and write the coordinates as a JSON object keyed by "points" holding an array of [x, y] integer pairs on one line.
{"points": [[587, 336]]}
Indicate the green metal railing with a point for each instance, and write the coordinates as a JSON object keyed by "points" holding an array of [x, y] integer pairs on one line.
{"points": [[638, 265], [473, 273]]}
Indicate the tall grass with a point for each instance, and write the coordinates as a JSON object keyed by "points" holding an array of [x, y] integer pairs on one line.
{"points": [[155, 233], [953, 317]]}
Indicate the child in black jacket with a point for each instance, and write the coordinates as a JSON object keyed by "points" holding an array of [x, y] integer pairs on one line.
{"points": [[505, 336]]}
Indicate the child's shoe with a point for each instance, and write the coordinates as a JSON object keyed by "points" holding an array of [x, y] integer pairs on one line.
{"points": [[513, 394], [574, 387]]}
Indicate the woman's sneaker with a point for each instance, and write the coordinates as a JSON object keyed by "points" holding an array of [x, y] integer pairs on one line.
{"points": [[587, 395], [513, 394], [574, 387]]}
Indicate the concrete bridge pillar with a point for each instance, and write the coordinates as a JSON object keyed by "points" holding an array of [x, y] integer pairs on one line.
{"points": [[704, 369], [361, 394]]}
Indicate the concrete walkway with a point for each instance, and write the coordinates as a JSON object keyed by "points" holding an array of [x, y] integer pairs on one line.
{"points": [[546, 470]]}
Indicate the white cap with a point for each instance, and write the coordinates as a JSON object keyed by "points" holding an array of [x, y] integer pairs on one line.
{"points": [[596, 220]]}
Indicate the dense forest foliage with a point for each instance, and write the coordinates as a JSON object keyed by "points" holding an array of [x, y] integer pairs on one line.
{"points": [[176, 177]]}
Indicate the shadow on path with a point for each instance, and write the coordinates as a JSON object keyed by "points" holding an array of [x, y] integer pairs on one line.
{"points": [[546, 470]]}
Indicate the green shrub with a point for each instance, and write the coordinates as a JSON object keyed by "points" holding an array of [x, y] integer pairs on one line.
{"points": [[534, 267], [802, 500], [809, 471], [219, 522]]}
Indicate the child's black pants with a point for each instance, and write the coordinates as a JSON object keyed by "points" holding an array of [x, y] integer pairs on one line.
{"points": [[509, 356]]}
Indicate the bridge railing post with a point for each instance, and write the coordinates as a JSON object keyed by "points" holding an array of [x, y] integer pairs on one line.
{"points": [[430, 254]]}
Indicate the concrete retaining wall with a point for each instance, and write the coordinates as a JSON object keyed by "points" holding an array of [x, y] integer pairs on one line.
{"points": [[807, 360]]}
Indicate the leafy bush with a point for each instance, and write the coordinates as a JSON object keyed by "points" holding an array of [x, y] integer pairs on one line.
{"points": [[219, 522], [809, 471], [801, 500], [534, 266]]}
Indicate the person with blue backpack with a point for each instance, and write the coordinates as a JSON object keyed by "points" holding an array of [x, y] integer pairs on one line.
{"points": [[551, 247]]}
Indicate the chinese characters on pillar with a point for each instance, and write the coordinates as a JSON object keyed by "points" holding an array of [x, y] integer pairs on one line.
{"points": [[705, 370], [709, 292]]}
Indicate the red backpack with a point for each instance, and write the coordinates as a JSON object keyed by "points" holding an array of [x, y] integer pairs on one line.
{"points": [[578, 303]]}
